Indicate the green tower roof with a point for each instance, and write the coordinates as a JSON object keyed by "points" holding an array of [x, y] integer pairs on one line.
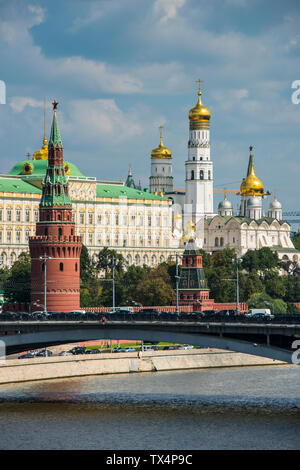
{"points": [[55, 139]]}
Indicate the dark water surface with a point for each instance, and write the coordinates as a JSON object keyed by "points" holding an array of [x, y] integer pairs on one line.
{"points": [[236, 408]]}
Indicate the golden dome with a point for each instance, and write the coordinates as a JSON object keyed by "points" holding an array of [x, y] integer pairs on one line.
{"points": [[251, 185], [42, 154], [161, 151], [199, 112]]}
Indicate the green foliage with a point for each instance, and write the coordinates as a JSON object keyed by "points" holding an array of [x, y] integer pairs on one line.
{"points": [[263, 300], [260, 260], [87, 265], [105, 260], [17, 282], [291, 308], [275, 285], [155, 288], [296, 241]]}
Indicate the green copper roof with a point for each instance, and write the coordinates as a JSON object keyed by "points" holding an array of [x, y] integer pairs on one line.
{"points": [[55, 139], [39, 167], [192, 279], [12, 185], [110, 190]]}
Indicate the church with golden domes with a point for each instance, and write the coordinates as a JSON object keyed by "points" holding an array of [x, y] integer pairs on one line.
{"points": [[252, 227]]}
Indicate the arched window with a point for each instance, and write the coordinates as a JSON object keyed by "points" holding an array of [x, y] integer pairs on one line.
{"points": [[192, 175], [60, 232], [216, 241], [221, 241], [61, 266], [76, 267], [209, 174], [201, 174]]}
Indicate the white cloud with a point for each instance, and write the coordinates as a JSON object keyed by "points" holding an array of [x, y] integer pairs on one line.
{"points": [[18, 103], [101, 119], [168, 8], [95, 11]]}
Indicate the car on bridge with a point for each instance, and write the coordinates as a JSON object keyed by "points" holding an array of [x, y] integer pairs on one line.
{"points": [[150, 311], [93, 351], [44, 353], [260, 315], [78, 350], [227, 313], [8, 316], [207, 313], [26, 355]]}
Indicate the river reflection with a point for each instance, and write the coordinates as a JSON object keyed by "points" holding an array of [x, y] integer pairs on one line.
{"points": [[237, 408]]}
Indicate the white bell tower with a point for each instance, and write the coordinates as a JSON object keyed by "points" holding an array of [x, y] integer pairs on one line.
{"points": [[199, 167]]}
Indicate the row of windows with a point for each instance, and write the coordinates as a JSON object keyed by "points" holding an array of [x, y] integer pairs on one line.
{"points": [[201, 175], [141, 260], [118, 241], [18, 238], [107, 219], [18, 217]]}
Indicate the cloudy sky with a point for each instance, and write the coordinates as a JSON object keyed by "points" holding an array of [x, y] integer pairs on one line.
{"points": [[122, 68]]}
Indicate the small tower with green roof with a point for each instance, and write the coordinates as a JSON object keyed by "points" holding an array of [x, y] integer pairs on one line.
{"points": [[193, 288]]}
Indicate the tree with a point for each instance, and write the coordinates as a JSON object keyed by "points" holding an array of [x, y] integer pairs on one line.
{"points": [[87, 265], [296, 241], [263, 300], [155, 288], [275, 285], [267, 259], [105, 259], [17, 285]]}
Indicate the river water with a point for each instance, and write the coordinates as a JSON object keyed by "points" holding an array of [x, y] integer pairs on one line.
{"points": [[232, 408]]}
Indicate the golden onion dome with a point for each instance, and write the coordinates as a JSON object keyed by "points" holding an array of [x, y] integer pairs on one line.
{"points": [[161, 151], [251, 185], [199, 112], [42, 154]]}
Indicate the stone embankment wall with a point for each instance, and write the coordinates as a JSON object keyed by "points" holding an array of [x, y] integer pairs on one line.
{"points": [[55, 367]]}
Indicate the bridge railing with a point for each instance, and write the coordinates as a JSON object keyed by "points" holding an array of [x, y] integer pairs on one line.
{"points": [[150, 316]]}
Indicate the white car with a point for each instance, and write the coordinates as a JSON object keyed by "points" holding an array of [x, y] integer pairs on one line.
{"points": [[186, 346]]}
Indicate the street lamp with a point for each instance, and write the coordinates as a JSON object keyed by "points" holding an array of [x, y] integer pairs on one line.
{"points": [[177, 277], [237, 287], [45, 259], [113, 283], [236, 260]]}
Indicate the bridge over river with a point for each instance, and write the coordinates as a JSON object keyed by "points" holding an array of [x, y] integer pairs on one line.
{"points": [[272, 339]]}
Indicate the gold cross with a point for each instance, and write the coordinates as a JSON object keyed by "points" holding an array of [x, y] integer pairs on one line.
{"points": [[161, 128], [199, 81]]}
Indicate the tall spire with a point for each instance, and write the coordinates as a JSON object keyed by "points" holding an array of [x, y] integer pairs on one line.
{"points": [[42, 154], [55, 139], [45, 143]]}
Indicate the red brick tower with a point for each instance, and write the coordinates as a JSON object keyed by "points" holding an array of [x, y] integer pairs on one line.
{"points": [[193, 289], [55, 239]]}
